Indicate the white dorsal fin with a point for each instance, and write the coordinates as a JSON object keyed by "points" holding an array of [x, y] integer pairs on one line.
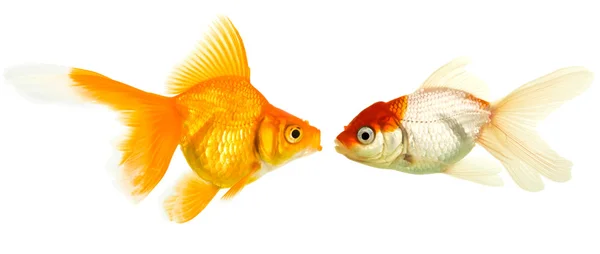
{"points": [[220, 53], [454, 75]]}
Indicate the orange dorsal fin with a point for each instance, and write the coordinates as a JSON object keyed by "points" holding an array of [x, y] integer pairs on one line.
{"points": [[454, 75], [220, 53]]}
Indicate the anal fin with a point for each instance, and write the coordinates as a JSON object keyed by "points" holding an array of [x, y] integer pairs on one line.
{"points": [[189, 197], [477, 169]]}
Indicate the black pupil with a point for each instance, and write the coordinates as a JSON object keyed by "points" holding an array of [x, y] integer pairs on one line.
{"points": [[295, 133], [365, 135]]}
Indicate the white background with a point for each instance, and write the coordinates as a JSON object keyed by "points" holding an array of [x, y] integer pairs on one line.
{"points": [[323, 61]]}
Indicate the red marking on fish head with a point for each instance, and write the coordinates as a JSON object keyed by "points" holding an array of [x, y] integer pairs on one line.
{"points": [[378, 117]]}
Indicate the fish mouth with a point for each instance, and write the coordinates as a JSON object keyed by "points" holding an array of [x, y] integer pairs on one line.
{"points": [[306, 152], [312, 148], [346, 152], [318, 148], [341, 148], [316, 142]]}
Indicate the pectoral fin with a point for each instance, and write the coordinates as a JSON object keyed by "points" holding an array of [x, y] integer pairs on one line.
{"points": [[240, 185], [477, 169]]}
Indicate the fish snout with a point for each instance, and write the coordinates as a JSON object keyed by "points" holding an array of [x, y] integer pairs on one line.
{"points": [[340, 147], [317, 141]]}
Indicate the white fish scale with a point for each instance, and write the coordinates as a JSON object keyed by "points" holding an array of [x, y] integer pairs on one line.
{"points": [[442, 125]]}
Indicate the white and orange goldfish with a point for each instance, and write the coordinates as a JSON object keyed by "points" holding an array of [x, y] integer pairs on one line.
{"points": [[433, 129], [228, 132]]}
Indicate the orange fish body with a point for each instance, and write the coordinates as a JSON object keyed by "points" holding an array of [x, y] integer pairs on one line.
{"points": [[228, 132], [434, 129], [219, 141]]}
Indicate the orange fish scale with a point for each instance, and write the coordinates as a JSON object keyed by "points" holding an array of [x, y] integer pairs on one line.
{"points": [[222, 116]]}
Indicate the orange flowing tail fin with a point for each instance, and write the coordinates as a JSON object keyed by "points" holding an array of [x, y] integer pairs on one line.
{"points": [[511, 136], [153, 120]]}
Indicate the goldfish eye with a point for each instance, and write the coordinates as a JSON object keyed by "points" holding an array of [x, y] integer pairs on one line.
{"points": [[293, 134], [365, 135]]}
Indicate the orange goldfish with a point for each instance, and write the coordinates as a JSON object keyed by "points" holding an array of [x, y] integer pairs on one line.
{"points": [[227, 130], [433, 129]]}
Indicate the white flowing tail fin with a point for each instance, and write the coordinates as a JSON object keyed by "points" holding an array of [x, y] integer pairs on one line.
{"points": [[511, 136]]}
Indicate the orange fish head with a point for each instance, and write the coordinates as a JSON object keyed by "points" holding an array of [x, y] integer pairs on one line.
{"points": [[371, 137], [283, 137]]}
